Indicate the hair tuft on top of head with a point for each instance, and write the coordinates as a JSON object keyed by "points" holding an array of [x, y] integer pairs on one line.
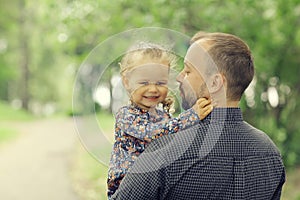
{"points": [[146, 51]]}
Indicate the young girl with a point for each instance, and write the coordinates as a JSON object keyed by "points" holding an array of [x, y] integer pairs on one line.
{"points": [[145, 71]]}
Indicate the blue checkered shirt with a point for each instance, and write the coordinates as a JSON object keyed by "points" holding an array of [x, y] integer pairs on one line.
{"points": [[221, 158]]}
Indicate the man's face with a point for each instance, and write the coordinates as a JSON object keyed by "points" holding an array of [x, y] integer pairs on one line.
{"points": [[191, 78]]}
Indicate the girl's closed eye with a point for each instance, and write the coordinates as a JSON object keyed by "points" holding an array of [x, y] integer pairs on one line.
{"points": [[143, 83], [162, 83]]}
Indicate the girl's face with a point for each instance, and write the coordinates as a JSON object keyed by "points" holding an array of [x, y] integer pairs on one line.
{"points": [[148, 84]]}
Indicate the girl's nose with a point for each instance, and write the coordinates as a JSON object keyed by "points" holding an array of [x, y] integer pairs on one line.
{"points": [[152, 88]]}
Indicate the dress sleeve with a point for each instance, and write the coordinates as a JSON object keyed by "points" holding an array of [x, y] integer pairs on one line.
{"points": [[143, 127], [188, 118], [139, 124], [185, 120]]}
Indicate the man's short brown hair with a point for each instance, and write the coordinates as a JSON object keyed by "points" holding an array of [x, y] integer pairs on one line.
{"points": [[233, 59]]}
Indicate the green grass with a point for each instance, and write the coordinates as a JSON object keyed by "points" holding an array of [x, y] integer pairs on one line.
{"points": [[89, 176], [7, 134], [8, 113]]}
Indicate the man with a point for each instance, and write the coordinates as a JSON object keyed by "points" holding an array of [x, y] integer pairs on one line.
{"points": [[222, 157]]}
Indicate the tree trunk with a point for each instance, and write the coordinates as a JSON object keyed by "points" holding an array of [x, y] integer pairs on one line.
{"points": [[24, 56]]}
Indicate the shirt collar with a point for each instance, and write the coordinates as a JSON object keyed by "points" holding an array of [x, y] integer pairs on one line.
{"points": [[225, 114]]}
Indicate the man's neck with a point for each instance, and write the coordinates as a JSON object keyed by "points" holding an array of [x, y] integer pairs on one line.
{"points": [[225, 104], [233, 104]]}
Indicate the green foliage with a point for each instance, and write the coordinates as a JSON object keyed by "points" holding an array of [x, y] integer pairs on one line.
{"points": [[106, 122], [59, 36], [290, 189]]}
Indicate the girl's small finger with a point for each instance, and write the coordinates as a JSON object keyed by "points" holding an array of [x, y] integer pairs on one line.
{"points": [[204, 103]]}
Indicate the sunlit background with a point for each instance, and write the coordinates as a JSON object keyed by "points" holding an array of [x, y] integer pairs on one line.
{"points": [[44, 43]]}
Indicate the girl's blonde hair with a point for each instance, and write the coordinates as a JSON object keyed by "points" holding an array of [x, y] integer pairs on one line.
{"points": [[146, 51]]}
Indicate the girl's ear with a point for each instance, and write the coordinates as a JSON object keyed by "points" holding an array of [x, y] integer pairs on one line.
{"points": [[125, 82], [217, 83]]}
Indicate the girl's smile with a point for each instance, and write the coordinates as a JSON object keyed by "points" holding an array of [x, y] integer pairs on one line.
{"points": [[148, 84]]}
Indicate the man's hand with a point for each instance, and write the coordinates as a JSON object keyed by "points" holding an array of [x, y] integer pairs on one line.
{"points": [[203, 107]]}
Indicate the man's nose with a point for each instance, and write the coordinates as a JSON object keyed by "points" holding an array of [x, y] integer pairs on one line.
{"points": [[179, 77]]}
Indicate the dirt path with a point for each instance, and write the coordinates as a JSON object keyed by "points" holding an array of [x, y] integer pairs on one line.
{"points": [[36, 165]]}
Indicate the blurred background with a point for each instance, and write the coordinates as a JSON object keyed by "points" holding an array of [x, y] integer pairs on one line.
{"points": [[43, 43]]}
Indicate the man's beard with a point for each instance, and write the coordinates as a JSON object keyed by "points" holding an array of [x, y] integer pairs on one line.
{"points": [[188, 100], [190, 97]]}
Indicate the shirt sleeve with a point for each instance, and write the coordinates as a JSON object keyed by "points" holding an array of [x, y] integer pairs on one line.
{"points": [[141, 186], [277, 193]]}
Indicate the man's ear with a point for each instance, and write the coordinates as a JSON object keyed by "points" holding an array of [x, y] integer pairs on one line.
{"points": [[217, 83]]}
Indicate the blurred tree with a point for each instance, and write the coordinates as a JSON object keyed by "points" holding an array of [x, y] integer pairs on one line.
{"points": [[50, 40], [35, 67], [24, 54], [7, 71]]}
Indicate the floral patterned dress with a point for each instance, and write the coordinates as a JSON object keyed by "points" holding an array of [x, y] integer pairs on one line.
{"points": [[134, 129]]}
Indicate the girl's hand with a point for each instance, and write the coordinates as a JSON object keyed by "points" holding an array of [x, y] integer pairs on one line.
{"points": [[203, 107]]}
